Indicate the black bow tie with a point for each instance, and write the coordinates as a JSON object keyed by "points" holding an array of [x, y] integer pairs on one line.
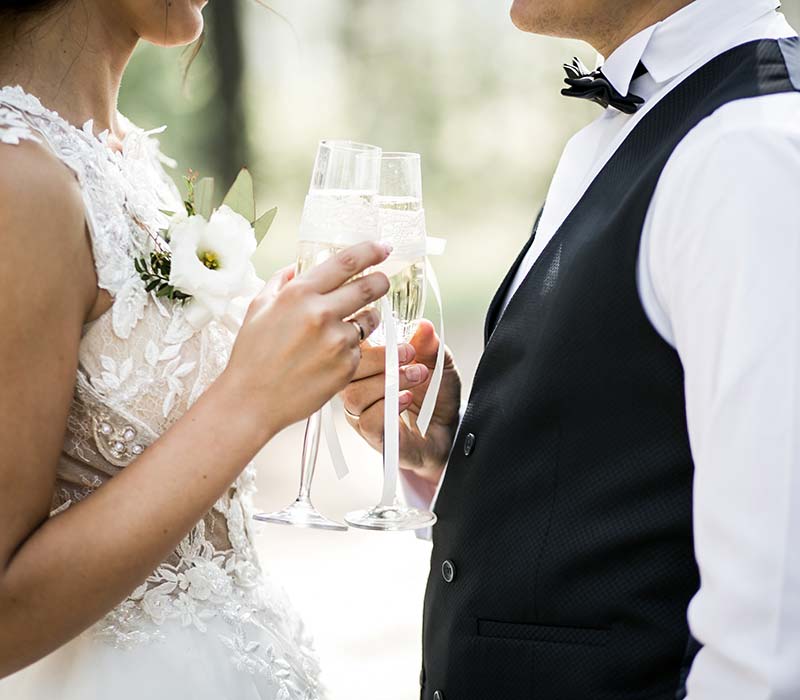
{"points": [[596, 87]]}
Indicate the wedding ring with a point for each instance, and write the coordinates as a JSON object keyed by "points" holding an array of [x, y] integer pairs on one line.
{"points": [[350, 414], [359, 328]]}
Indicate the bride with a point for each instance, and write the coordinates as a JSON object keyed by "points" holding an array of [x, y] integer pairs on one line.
{"points": [[127, 566]]}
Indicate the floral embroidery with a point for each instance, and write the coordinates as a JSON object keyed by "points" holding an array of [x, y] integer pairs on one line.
{"points": [[13, 128], [141, 366]]}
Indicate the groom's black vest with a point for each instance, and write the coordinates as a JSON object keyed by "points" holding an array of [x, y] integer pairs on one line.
{"points": [[563, 559]]}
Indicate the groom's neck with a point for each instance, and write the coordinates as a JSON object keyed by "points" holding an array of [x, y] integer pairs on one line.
{"points": [[639, 16], [605, 24]]}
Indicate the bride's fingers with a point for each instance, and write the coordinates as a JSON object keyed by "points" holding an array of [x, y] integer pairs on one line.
{"points": [[357, 294], [373, 360], [361, 395], [277, 282], [333, 273]]}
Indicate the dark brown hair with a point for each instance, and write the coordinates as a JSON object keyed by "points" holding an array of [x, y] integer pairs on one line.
{"points": [[26, 6]]}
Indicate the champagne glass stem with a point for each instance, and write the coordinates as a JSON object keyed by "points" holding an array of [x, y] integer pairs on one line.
{"points": [[309, 461], [389, 497]]}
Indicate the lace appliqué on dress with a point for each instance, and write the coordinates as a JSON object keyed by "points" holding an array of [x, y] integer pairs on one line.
{"points": [[13, 128]]}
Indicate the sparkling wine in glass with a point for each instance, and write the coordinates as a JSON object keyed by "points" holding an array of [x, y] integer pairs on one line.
{"points": [[402, 219], [340, 210]]}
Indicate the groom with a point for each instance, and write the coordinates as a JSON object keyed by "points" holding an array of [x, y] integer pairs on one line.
{"points": [[620, 515]]}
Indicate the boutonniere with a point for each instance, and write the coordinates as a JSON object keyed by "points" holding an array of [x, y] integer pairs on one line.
{"points": [[203, 259]]}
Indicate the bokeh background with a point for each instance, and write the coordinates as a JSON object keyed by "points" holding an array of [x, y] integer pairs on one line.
{"points": [[453, 80]]}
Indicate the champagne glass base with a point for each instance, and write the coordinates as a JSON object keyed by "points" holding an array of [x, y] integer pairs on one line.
{"points": [[301, 514], [392, 518]]}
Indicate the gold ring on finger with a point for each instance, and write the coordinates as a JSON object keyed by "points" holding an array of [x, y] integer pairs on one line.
{"points": [[361, 334]]}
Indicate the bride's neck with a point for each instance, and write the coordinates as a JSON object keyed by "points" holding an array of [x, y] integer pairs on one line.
{"points": [[72, 59]]}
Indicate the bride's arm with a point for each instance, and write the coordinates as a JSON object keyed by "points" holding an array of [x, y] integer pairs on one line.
{"points": [[59, 575]]}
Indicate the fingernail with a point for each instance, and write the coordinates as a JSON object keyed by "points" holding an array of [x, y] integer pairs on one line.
{"points": [[388, 247], [414, 373], [405, 353]]}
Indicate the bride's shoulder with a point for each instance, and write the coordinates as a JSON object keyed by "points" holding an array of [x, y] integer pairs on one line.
{"points": [[41, 207], [33, 180]]}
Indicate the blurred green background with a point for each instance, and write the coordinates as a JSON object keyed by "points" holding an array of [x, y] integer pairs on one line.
{"points": [[453, 80]]}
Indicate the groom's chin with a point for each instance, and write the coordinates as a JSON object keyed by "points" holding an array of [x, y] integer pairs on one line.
{"points": [[535, 16]]}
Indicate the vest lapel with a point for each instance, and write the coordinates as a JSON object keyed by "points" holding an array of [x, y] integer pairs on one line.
{"points": [[492, 315]]}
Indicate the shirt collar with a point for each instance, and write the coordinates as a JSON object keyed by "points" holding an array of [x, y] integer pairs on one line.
{"points": [[673, 45]]}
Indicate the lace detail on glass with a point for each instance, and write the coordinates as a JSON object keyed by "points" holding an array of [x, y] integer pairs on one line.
{"points": [[340, 218], [141, 366], [405, 230]]}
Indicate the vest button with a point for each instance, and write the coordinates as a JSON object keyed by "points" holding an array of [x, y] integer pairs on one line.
{"points": [[448, 571], [438, 695], [469, 444]]}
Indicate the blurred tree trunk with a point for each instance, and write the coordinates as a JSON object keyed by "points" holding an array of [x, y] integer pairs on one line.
{"points": [[228, 144]]}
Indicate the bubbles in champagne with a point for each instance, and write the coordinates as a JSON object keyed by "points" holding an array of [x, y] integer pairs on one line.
{"points": [[407, 299]]}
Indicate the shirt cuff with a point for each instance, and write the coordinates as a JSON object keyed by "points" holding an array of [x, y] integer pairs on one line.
{"points": [[418, 493]]}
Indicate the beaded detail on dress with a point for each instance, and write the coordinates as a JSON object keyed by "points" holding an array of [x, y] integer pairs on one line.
{"points": [[141, 366]]}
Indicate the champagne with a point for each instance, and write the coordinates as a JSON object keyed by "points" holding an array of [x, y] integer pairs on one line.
{"points": [[407, 299], [311, 253], [403, 225]]}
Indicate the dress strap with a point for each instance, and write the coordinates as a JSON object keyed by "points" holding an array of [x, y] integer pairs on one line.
{"points": [[14, 128]]}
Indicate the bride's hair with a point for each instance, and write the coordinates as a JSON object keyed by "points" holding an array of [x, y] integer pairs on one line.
{"points": [[10, 9], [26, 5]]}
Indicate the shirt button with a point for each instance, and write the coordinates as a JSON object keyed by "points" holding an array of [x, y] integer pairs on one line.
{"points": [[438, 695], [448, 571], [469, 444]]}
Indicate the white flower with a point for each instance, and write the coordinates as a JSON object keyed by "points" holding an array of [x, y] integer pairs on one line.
{"points": [[211, 263]]}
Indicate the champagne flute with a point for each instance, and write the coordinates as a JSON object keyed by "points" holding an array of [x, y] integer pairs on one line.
{"points": [[402, 220], [340, 210]]}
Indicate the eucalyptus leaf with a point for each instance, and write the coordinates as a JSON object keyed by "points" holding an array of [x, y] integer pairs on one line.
{"points": [[204, 197], [263, 223], [240, 196]]}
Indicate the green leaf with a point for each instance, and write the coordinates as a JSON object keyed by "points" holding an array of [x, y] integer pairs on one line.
{"points": [[137, 265], [165, 290], [151, 286], [263, 223], [240, 196], [204, 197]]}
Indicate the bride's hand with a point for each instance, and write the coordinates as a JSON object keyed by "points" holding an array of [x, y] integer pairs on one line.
{"points": [[295, 350]]}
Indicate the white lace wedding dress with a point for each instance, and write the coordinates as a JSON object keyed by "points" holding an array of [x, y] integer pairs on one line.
{"points": [[206, 624]]}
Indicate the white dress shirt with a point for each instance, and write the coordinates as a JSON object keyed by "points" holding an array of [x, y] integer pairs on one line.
{"points": [[719, 278]]}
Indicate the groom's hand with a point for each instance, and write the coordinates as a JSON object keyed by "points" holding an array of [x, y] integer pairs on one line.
{"points": [[363, 401]]}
